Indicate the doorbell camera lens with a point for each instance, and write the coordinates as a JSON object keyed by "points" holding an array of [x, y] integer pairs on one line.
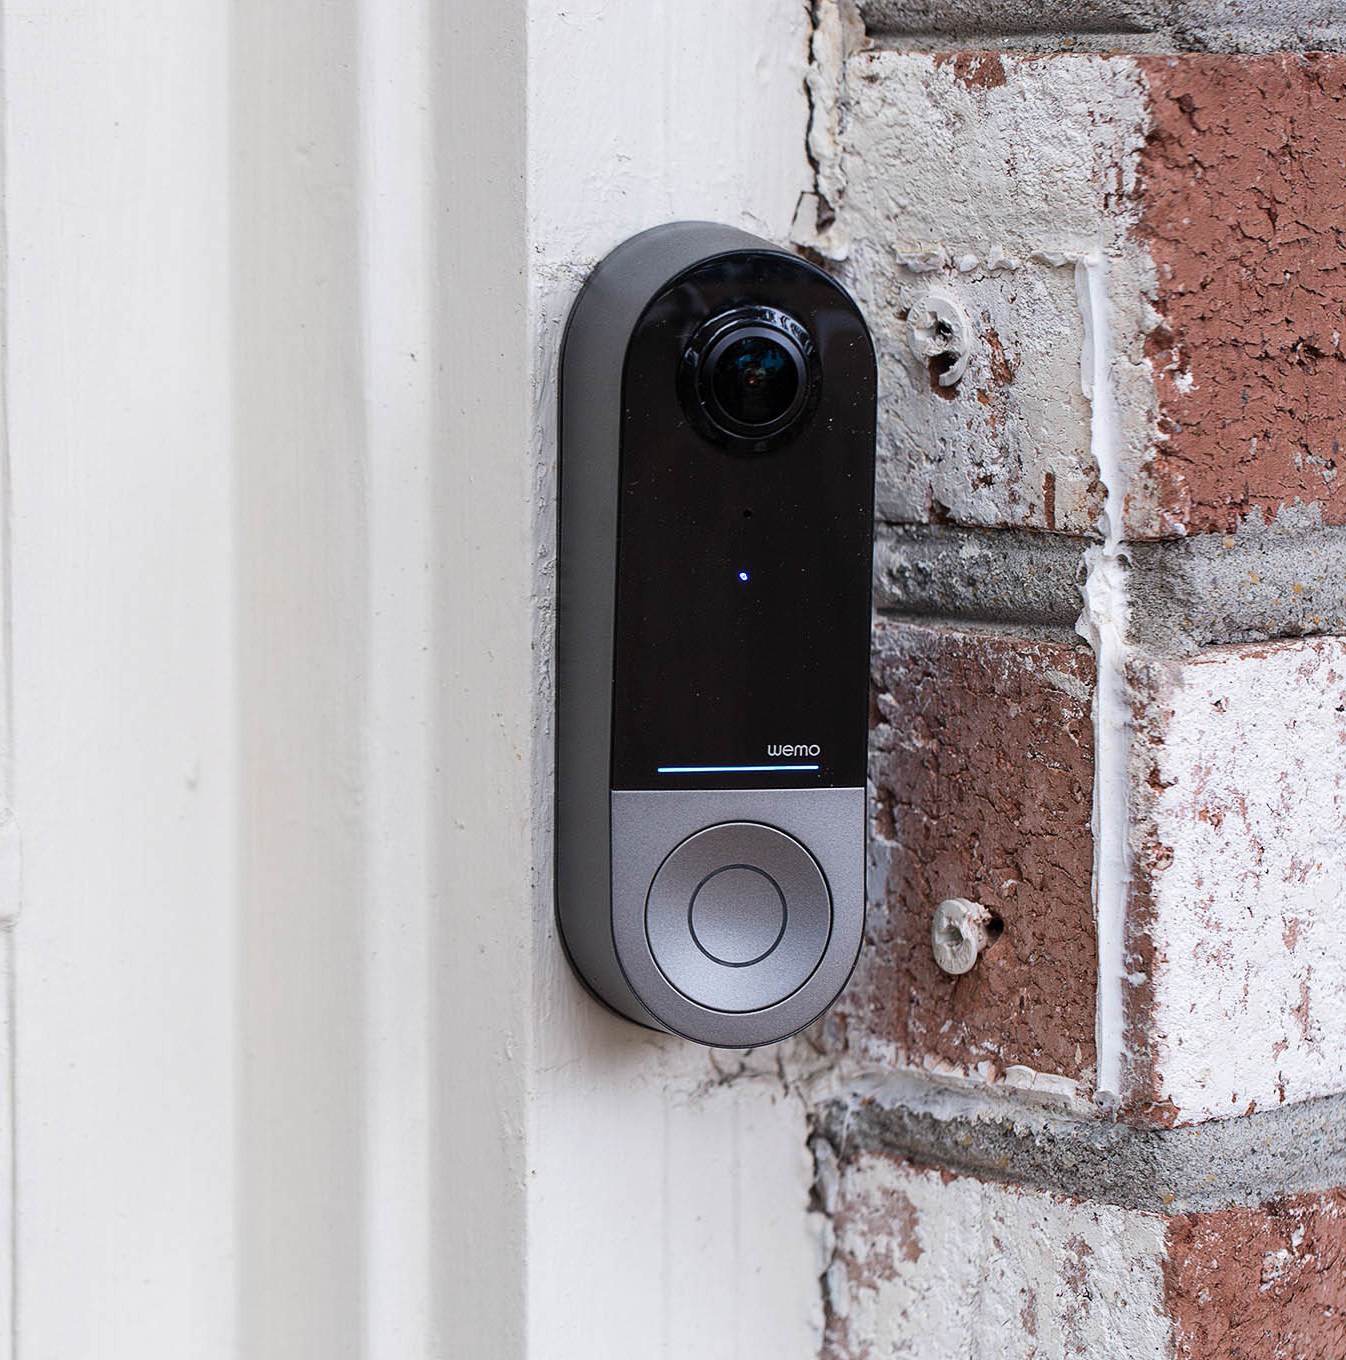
{"points": [[750, 377], [755, 381]]}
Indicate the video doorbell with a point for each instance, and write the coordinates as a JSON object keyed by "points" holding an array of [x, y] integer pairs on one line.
{"points": [[717, 490]]}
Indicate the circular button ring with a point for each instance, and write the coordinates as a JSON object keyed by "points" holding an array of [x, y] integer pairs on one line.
{"points": [[738, 916]]}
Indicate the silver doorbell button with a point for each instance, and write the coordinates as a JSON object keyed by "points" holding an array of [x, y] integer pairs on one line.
{"points": [[717, 493], [738, 916]]}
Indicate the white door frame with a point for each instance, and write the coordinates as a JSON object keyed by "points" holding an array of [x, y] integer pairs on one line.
{"points": [[298, 1067]]}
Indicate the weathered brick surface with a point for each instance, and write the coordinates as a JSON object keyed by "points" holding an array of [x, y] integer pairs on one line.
{"points": [[1260, 1284], [948, 1267], [936, 1265], [1238, 963], [1187, 212], [1000, 183], [1021, 229], [1009, 441], [1243, 186], [982, 774], [1138, 25]]}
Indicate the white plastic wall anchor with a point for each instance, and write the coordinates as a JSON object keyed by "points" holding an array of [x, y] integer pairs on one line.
{"points": [[938, 327], [958, 934]]}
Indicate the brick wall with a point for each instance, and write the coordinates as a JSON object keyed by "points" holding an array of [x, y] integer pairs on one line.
{"points": [[1103, 250]]}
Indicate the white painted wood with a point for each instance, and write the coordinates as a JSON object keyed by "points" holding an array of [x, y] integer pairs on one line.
{"points": [[488, 798], [124, 740], [398, 297], [669, 1211], [8, 1321], [11, 853], [301, 605], [300, 1071]]}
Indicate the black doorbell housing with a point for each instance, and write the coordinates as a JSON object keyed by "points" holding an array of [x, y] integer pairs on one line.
{"points": [[717, 495]]}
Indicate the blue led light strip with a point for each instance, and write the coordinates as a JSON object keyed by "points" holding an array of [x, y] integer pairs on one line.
{"points": [[729, 769]]}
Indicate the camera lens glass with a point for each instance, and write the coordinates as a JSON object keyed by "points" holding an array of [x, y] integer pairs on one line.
{"points": [[756, 380], [750, 378]]}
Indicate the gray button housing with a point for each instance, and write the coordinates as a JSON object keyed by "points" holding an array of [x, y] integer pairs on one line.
{"points": [[670, 846], [770, 916]]}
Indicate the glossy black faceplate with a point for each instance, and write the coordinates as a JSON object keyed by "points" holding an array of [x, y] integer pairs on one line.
{"points": [[711, 669]]}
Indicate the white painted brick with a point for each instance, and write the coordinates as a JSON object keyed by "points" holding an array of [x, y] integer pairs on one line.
{"points": [[1246, 834], [1042, 161], [944, 1269], [1011, 440], [993, 183]]}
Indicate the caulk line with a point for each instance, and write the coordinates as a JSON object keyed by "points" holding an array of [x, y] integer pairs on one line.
{"points": [[1104, 624]]}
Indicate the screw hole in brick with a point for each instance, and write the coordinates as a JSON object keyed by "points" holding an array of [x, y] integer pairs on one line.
{"points": [[939, 365], [995, 928]]}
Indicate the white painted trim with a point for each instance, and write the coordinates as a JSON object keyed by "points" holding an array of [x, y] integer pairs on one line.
{"points": [[11, 852], [398, 305], [300, 1069], [8, 1166], [119, 509], [669, 1188], [484, 886]]}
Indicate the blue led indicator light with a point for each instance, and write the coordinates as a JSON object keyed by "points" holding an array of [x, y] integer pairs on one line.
{"points": [[729, 769], [743, 576]]}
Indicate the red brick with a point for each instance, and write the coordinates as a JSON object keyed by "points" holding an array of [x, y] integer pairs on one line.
{"points": [[1260, 1284], [1244, 213], [982, 769]]}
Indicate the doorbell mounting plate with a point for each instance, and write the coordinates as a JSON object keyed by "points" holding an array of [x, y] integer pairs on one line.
{"points": [[716, 541]]}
